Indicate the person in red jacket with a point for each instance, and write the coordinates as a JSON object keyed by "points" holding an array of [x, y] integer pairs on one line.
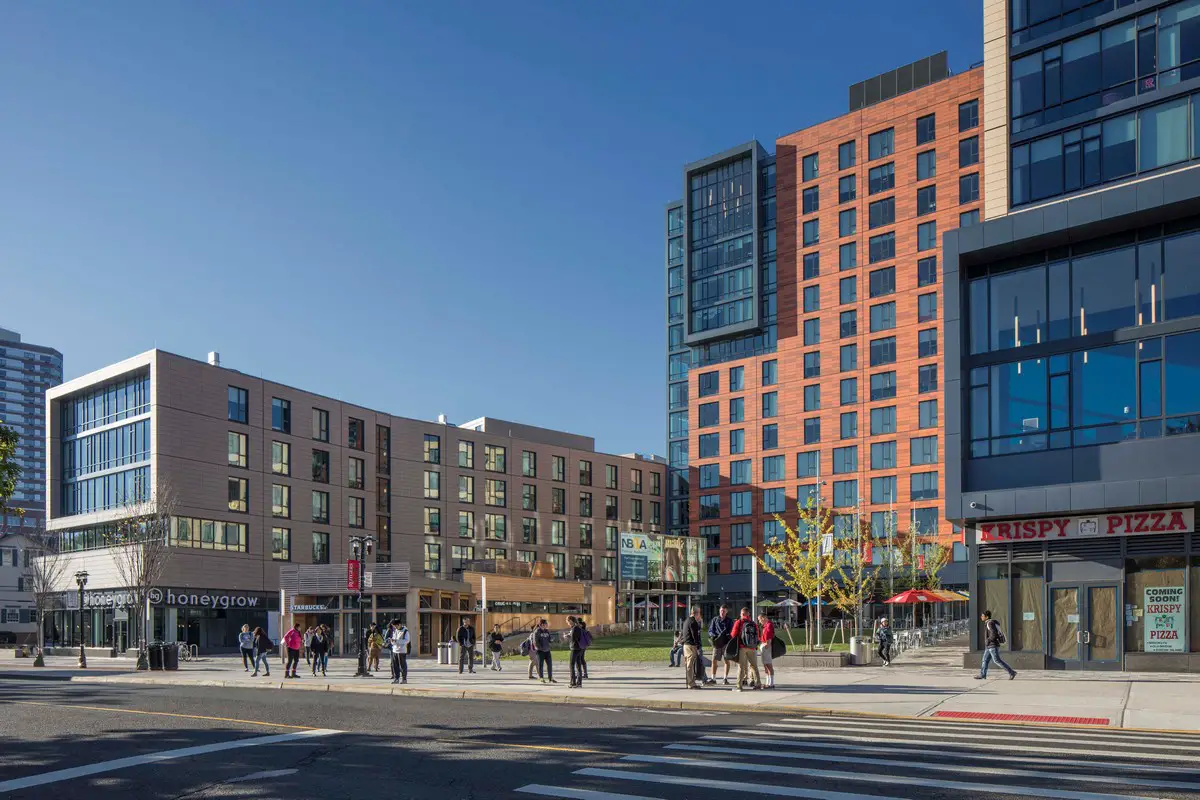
{"points": [[294, 641], [766, 635], [745, 633]]}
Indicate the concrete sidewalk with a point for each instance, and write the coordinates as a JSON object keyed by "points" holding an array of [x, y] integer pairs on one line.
{"points": [[921, 683]]}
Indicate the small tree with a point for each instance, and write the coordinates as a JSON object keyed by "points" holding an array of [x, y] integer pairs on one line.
{"points": [[46, 571], [936, 559], [9, 471], [796, 560], [858, 579], [140, 551]]}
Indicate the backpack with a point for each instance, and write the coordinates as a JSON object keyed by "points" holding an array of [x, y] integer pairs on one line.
{"points": [[585, 639], [525, 647], [778, 648], [1000, 638], [749, 631]]}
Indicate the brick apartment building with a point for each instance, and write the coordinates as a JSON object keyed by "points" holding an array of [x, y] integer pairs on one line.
{"points": [[805, 318]]}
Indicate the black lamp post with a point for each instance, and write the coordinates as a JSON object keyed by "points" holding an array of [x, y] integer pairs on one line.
{"points": [[81, 581], [361, 547]]}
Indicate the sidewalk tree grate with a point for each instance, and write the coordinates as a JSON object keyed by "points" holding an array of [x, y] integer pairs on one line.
{"points": [[1021, 718]]}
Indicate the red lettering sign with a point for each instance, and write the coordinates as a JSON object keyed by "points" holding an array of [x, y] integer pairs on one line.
{"points": [[352, 575]]}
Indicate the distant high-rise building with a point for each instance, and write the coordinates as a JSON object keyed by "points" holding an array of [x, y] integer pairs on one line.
{"points": [[26, 372]]}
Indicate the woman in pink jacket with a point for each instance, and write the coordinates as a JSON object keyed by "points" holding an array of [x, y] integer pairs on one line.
{"points": [[293, 640]]}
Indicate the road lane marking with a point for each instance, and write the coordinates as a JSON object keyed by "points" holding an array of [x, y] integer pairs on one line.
{"points": [[155, 758], [162, 714], [262, 776], [579, 794], [1118, 780], [738, 787], [550, 747], [965, 786], [1114, 735]]}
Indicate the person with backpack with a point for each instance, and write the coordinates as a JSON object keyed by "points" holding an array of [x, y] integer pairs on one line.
{"points": [[586, 638], [993, 637], [575, 645], [293, 640], [375, 645], [693, 668], [720, 632], [319, 646], [246, 645], [766, 638], [540, 641], [465, 636], [883, 640], [262, 652], [398, 640], [495, 646], [745, 636]]}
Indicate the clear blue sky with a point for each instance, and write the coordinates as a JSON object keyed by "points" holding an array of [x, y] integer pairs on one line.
{"points": [[427, 207]]}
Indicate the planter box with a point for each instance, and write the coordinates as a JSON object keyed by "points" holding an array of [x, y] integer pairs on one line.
{"points": [[815, 660]]}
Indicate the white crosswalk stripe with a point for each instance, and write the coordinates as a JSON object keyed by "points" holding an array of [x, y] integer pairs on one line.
{"points": [[848, 758]]}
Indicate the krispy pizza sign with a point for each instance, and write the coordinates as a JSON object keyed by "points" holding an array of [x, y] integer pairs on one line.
{"points": [[1132, 523]]}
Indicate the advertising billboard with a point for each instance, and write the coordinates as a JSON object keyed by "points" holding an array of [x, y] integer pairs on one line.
{"points": [[635, 557], [654, 557]]}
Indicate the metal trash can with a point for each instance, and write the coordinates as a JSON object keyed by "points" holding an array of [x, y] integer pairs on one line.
{"points": [[154, 652], [443, 652], [170, 656], [860, 651]]}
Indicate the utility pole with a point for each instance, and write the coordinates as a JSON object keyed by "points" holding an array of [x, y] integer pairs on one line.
{"points": [[361, 547], [889, 526]]}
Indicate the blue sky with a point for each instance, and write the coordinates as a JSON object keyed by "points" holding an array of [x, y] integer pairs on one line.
{"points": [[446, 207]]}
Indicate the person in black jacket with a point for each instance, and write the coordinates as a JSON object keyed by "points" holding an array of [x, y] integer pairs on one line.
{"points": [[992, 639], [719, 632], [692, 668], [319, 647], [466, 646], [262, 652], [576, 648]]}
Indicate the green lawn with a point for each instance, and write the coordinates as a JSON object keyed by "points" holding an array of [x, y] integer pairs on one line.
{"points": [[656, 647]]}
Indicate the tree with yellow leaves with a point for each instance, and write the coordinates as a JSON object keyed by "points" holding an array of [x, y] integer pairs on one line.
{"points": [[858, 579]]}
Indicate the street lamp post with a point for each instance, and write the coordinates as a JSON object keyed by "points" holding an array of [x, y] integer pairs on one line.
{"points": [[361, 547], [81, 581]]}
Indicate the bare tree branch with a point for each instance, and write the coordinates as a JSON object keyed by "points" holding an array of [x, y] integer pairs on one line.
{"points": [[46, 572]]}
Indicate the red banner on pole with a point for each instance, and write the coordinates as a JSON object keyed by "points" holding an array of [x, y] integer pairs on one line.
{"points": [[920, 562], [868, 552], [352, 575]]}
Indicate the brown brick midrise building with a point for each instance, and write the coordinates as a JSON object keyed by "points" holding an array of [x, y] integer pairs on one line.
{"points": [[269, 478], [841, 349]]}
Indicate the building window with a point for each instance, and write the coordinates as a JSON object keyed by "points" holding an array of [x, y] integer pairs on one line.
{"points": [[460, 556], [773, 468], [466, 489], [281, 544], [926, 129], [927, 199], [812, 430], [610, 475], [239, 493], [810, 200], [495, 493], [383, 450], [281, 415], [968, 218], [927, 378], [739, 472], [883, 455], [812, 299], [737, 409], [281, 500], [848, 391], [739, 534], [635, 510], [882, 282], [968, 152], [883, 351], [433, 557], [812, 365], [558, 468], [737, 442], [356, 469], [529, 526], [881, 247], [812, 397], [585, 473], [320, 425], [927, 343], [926, 165], [611, 508], [433, 485], [281, 458], [466, 455], [494, 458], [968, 188], [847, 156], [845, 494], [881, 178], [883, 386], [848, 256], [881, 213], [495, 527], [848, 357], [968, 115], [845, 459], [320, 507], [927, 414], [883, 490], [774, 501], [608, 568], [320, 548], [356, 508], [848, 424], [709, 415], [927, 307], [923, 450], [883, 421], [710, 506], [238, 448], [883, 317], [770, 404], [710, 476], [585, 504], [239, 405], [848, 222], [812, 331], [356, 434], [807, 464], [811, 232], [809, 167], [881, 144], [740, 505], [847, 188], [927, 271], [737, 379], [433, 521], [320, 466], [433, 449], [924, 486], [740, 563], [528, 464]]}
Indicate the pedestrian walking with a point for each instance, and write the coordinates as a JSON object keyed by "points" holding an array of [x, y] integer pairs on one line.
{"points": [[745, 636], [575, 646], [993, 637], [884, 636], [540, 639], [262, 652], [720, 633], [529, 650], [495, 646], [693, 669], [466, 646], [587, 639], [374, 648], [293, 640], [319, 645], [308, 634], [766, 637], [246, 645], [675, 659], [398, 641]]}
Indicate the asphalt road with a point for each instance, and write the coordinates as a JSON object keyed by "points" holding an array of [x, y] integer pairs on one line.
{"points": [[98, 741]]}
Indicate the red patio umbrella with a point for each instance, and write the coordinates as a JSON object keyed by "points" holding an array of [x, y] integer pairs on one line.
{"points": [[913, 597]]}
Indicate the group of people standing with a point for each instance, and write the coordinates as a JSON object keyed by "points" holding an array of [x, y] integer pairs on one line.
{"points": [[537, 648], [742, 641]]}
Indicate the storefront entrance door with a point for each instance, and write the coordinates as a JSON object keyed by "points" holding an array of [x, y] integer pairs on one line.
{"points": [[1084, 633]]}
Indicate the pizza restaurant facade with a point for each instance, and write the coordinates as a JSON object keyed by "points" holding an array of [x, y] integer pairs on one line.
{"points": [[1115, 590]]}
